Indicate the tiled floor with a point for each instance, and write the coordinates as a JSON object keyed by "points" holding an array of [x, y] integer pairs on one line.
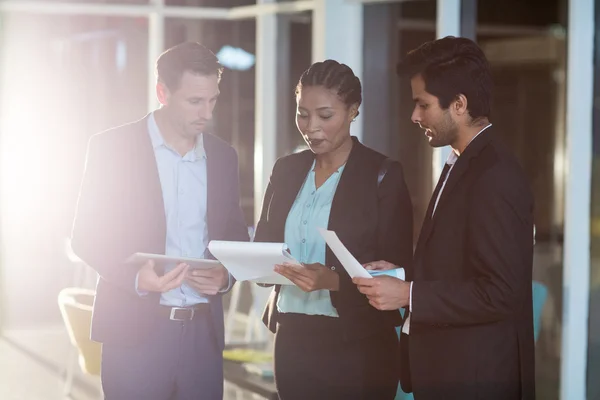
{"points": [[32, 363], [16, 374], [23, 376]]}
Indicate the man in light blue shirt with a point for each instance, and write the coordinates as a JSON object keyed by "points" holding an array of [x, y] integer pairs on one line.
{"points": [[161, 185], [183, 182]]}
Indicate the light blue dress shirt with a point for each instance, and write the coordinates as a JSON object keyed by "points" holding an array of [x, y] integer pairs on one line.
{"points": [[183, 181], [310, 211]]}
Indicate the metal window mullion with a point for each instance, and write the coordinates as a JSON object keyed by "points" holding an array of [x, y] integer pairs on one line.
{"points": [[576, 254]]}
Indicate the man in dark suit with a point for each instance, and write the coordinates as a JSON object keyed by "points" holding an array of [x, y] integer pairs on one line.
{"points": [[468, 331], [161, 185]]}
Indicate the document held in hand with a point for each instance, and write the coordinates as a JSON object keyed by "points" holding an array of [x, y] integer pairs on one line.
{"points": [[253, 261], [351, 264], [395, 273]]}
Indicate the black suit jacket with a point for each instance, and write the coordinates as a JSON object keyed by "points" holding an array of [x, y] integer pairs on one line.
{"points": [[374, 222], [471, 329], [121, 211]]}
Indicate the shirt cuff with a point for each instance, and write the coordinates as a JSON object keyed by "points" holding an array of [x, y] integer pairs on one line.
{"points": [[229, 284], [410, 298], [140, 293]]}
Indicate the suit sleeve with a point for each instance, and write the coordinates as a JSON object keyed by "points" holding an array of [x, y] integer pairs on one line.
{"points": [[500, 251], [93, 233]]}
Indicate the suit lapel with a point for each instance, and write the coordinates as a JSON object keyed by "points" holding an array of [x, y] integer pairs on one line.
{"points": [[456, 174], [291, 180], [151, 191], [345, 194], [290, 184], [214, 185]]}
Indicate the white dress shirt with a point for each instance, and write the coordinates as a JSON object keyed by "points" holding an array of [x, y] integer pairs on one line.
{"points": [[183, 181]]}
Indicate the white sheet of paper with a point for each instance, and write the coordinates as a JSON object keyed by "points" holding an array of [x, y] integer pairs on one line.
{"points": [[253, 261], [350, 264]]}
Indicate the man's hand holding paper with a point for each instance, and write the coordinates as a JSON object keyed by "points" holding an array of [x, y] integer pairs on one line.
{"points": [[384, 292]]}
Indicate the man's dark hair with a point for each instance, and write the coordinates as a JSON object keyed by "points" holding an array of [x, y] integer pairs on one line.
{"points": [[334, 76], [452, 66], [187, 56]]}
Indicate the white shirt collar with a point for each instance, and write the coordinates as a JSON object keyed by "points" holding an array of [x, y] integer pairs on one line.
{"points": [[452, 157], [158, 141]]}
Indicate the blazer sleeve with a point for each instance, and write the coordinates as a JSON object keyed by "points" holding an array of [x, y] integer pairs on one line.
{"points": [[92, 237], [500, 252], [394, 235]]}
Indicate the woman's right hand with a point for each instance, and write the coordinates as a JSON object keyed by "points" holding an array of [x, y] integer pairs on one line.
{"points": [[379, 266]]}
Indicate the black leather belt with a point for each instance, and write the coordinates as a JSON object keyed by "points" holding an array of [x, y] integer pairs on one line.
{"points": [[184, 313]]}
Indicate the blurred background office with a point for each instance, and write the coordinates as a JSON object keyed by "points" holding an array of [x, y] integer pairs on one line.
{"points": [[71, 68]]}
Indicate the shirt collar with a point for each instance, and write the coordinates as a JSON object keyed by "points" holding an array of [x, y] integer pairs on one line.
{"points": [[338, 171], [452, 157], [158, 141]]}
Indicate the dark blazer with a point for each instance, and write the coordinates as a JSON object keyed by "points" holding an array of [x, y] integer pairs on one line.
{"points": [[374, 222], [471, 329], [121, 211]]}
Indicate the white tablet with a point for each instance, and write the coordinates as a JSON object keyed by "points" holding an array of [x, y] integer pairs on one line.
{"points": [[171, 262]]}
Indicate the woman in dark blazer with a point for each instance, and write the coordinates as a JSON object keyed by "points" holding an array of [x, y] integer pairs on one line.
{"points": [[329, 342]]}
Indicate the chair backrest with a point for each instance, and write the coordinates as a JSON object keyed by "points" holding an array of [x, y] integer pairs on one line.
{"points": [[76, 309]]}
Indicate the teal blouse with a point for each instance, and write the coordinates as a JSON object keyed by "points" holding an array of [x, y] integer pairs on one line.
{"points": [[310, 211]]}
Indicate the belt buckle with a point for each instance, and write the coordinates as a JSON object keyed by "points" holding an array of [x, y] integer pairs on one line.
{"points": [[172, 316]]}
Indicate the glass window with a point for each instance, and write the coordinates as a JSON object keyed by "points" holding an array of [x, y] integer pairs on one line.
{"points": [[63, 79]]}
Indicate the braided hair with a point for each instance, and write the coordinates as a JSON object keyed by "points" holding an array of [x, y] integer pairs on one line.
{"points": [[334, 76]]}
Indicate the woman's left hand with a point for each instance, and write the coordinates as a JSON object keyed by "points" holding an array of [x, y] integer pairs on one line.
{"points": [[310, 277]]}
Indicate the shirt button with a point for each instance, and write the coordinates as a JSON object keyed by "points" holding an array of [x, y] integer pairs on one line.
{"points": [[308, 205], [303, 240], [305, 222], [313, 192]]}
